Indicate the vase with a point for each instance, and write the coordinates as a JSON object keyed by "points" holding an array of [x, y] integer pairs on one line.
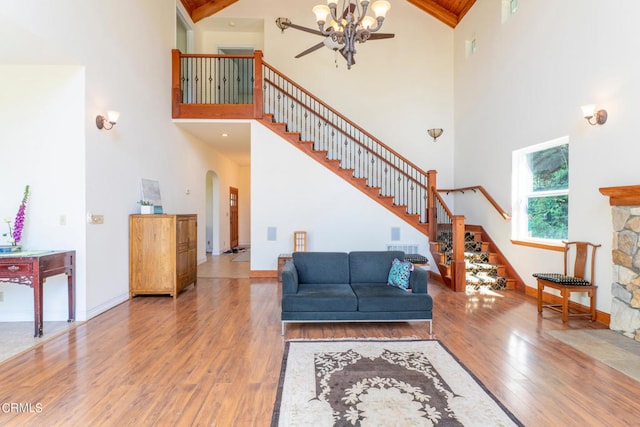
{"points": [[10, 248], [145, 209]]}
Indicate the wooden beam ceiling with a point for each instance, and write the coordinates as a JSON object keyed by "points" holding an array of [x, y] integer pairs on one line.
{"points": [[448, 11], [200, 9]]}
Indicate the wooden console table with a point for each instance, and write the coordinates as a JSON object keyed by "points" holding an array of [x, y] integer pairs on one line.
{"points": [[31, 268], [282, 259]]}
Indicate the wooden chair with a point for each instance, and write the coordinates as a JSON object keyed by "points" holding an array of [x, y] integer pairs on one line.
{"points": [[569, 282], [299, 241]]}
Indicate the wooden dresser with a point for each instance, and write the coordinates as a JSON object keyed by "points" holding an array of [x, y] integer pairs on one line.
{"points": [[162, 253]]}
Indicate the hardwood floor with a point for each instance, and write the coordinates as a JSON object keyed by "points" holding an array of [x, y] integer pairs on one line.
{"points": [[212, 357]]}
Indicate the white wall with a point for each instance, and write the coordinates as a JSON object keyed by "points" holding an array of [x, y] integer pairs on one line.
{"points": [[244, 206], [291, 191], [42, 141], [525, 85], [211, 41], [117, 57]]}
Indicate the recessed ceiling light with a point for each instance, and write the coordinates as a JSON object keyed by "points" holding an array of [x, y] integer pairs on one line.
{"points": [[225, 135], [232, 24]]}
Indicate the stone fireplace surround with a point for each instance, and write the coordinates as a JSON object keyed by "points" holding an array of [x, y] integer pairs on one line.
{"points": [[625, 253]]}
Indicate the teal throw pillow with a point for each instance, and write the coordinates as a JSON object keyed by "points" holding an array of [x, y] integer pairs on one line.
{"points": [[399, 274]]}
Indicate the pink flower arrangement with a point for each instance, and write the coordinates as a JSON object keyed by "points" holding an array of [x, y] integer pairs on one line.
{"points": [[15, 234]]}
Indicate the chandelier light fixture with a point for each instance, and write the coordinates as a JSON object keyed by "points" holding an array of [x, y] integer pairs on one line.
{"points": [[352, 25]]}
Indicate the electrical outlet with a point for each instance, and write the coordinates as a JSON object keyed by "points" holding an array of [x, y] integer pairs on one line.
{"points": [[63, 220], [1, 296]]}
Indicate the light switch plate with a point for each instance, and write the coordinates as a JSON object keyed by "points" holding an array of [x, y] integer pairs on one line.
{"points": [[96, 219]]}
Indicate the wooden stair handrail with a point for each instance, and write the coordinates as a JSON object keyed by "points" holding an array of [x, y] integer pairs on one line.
{"points": [[444, 205], [342, 117], [486, 194], [339, 130]]}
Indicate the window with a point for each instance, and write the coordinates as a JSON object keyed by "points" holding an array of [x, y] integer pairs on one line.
{"points": [[513, 6], [470, 47], [509, 8], [541, 192]]}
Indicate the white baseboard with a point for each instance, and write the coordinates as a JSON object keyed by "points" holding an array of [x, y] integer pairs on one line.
{"points": [[94, 311]]}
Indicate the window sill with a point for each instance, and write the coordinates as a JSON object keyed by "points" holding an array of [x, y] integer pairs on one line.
{"points": [[539, 245]]}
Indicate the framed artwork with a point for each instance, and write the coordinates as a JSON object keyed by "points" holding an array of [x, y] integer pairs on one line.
{"points": [[150, 190]]}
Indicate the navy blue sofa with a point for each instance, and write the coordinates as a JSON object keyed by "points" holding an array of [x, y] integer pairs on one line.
{"points": [[350, 287]]}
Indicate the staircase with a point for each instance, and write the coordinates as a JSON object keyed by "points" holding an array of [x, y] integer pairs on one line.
{"points": [[485, 266], [245, 87]]}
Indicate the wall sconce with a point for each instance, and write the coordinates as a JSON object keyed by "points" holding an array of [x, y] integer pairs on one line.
{"points": [[435, 133], [107, 122], [594, 117]]}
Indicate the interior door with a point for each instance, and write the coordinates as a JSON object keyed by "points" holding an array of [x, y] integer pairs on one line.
{"points": [[233, 217]]}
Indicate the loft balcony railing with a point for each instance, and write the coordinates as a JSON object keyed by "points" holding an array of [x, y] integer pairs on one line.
{"points": [[245, 87], [216, 86]]}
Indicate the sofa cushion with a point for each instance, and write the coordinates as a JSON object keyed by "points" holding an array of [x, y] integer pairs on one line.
{"points": [[321, 297], [322, 267], [380, 297], [372, 266], [399, 274]]}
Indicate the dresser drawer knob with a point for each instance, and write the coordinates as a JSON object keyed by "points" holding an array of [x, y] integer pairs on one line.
{"points": [[13, 268]]}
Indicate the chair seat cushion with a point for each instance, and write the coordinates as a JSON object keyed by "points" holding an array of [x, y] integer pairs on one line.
{"points": [[562, 279]]}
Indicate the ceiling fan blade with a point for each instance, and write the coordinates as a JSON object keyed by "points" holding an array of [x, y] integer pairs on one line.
{"points": [[375, 36], [301, 28], [311, 49]]}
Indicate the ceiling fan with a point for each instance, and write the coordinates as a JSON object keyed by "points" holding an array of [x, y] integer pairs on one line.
{"points": [[333, 39]]}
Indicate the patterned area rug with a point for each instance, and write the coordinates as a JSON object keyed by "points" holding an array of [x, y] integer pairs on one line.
{"points": [[381, 383]]}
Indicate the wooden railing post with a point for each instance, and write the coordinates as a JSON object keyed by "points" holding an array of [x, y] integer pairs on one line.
{"points": [[176, 92], [458, 268], [258, 96], [431, 216]]}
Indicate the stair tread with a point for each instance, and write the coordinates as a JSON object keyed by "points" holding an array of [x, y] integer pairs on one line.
{"points": [[480, 265]]}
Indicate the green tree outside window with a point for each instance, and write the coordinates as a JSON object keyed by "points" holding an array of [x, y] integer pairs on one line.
{"points": [[548, 214]]}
